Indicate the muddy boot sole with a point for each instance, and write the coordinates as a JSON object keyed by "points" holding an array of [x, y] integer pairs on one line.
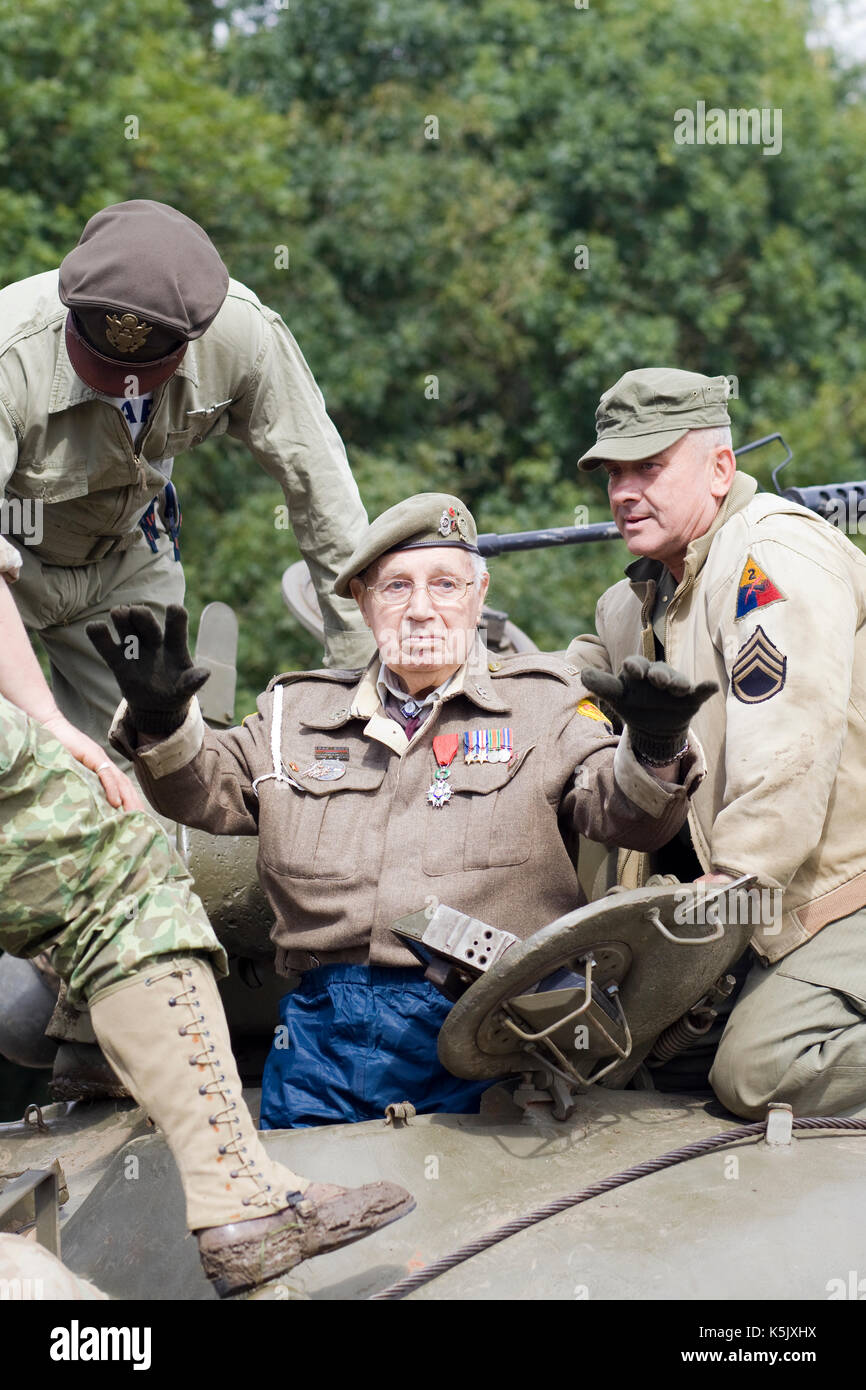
{"points": [[242, 1256]]}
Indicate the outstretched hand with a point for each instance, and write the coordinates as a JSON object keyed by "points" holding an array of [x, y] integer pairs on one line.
{"points": [[656, 703], [153, 669]]}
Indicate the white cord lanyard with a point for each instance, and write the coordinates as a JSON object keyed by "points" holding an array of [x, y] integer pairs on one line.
{"points": [[279, 773]]}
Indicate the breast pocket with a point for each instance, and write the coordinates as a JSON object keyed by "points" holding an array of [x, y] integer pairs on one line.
{"points": [[489, 821], [57, 476], [207, 422], [321, 832]]}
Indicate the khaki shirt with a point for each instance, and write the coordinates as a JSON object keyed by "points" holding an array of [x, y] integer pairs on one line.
{"points": [[245, 377], [341, 860], [785, 740]]}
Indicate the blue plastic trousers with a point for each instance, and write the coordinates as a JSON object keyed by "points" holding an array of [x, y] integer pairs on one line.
{"points": [[355, 1039]]}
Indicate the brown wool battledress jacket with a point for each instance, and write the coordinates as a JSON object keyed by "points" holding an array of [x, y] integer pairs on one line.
{"points": [[341, 860]]}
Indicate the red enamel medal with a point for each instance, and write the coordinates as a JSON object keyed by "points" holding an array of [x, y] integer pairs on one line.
{"points": [[444, 751]]}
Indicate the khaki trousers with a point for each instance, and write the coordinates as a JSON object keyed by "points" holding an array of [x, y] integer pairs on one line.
{"points": [[58, 601], [797, 1033]]}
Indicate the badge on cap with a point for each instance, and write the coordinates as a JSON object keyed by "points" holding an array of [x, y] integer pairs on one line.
{"points": [[755, 590], [759, 671], [126, 334]]}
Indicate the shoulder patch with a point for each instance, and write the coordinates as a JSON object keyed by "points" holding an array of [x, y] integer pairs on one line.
{"points": [[590, 710], [755, 590], [759, 671]]}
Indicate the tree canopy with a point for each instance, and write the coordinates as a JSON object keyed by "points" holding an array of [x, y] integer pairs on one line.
{"points": [[487, 219]]}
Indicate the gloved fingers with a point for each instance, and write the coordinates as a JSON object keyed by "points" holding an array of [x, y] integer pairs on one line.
{"points": [[602, 683], [177, 631], [136, 621], [703, 691], [190, 681], [634, 668], [666, 677], [101, 636]]}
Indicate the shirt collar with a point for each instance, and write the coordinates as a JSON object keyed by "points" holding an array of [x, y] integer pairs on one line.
{"points": [[386, 680], [472, 680], [67, 388]]}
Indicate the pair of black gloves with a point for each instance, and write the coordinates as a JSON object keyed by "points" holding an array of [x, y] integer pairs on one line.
{"points": [[158, 679]]}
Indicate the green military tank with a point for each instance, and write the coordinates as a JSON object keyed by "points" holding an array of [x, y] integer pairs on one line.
{"points": [[583, 1177]]}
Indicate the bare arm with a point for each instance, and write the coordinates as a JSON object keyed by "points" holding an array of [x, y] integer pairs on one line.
{"points": [[22, 682]]}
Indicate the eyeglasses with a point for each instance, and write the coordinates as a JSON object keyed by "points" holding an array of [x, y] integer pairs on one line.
{"points": [[395, 593]]}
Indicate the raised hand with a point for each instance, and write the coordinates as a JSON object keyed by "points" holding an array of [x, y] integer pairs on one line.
{"points": [[656, 702], [153, 669]]}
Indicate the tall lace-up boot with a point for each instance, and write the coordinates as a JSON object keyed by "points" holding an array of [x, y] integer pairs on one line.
{"points": [[165, 1034]]}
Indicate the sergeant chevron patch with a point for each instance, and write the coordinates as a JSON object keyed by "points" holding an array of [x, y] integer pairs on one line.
{"points": [[755, 590], [759, 670]]}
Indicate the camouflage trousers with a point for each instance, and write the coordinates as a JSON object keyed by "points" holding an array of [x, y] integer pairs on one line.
{"points": [[105, 889]]}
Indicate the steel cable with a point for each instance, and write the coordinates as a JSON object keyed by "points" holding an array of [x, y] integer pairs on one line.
{"points": [[597, 1189]]}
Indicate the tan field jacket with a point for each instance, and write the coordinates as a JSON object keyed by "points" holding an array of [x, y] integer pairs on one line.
{"points": [[245, 377], [341, 860], [772, 605]]}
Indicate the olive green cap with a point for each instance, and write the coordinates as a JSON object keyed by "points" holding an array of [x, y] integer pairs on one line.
{"points": [[649, 410], [425, 520]]}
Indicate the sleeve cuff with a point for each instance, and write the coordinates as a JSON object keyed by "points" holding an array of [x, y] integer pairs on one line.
{"points": [[169, 754], [646, 791]]}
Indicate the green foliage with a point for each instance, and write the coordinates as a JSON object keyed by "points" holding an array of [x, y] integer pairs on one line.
{"points": [[453, 258]]}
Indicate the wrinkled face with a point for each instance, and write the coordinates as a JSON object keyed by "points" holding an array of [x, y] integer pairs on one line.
{"points": [[422, 635], [662, 503]]}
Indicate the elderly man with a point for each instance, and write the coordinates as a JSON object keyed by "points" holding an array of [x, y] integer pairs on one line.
{"points": [[105, 890], [139, 349], [435, 774], [769, 600]]}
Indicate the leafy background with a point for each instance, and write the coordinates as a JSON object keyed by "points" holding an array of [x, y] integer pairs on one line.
{"points": [[304, 126]]}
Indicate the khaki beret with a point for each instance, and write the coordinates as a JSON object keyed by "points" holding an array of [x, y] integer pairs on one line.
{"points": [[425, 520], [649, 410]]}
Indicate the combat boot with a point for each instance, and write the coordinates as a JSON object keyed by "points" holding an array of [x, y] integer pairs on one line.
{"points": [[165, 1034]]}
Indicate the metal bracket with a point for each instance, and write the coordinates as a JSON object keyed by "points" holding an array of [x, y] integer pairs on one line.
{"points": [[36, 1191]]}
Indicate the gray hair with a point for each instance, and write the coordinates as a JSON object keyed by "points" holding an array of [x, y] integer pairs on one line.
{"points": [[713, 437]]}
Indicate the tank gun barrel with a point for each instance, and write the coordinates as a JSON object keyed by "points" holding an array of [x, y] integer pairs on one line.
{"points": [[829, 500], [492, 544]]}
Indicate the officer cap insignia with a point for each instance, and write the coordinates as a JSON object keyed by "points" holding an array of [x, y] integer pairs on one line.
{"points": [[755, 589], [126, 334], [759, 670]]}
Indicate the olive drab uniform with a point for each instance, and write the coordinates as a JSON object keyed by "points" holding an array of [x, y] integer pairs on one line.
{"points": [[772, 604], [104, 888], [76, 486]]}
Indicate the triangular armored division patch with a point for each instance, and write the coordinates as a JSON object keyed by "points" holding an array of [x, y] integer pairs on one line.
{"points": [[759, 671], [755, 589]]}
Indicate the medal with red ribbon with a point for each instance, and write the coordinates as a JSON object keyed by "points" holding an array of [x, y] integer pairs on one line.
{"points": [[444, 751]]}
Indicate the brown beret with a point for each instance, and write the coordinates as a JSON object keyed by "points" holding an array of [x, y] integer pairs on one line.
{"points": [[142, 282], [425, 521]]}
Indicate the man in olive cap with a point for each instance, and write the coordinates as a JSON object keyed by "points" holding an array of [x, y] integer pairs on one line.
{"points": [[436, 774], [139, 349], [764, 597]]}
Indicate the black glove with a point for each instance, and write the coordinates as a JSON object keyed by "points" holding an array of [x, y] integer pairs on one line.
{"points": [[656, 702], [155, 672]]}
